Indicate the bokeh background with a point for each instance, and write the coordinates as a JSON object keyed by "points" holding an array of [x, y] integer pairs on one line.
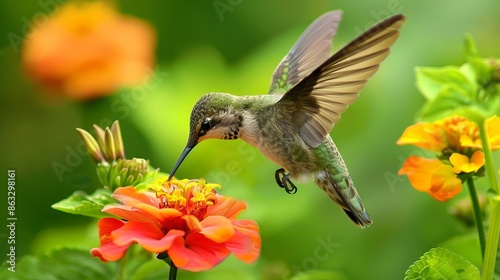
{"points": [[233, 46]]}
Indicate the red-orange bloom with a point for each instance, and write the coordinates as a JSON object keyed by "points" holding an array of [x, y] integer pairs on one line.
{"points": [[432, 176], [88, 49], [185, 218]]}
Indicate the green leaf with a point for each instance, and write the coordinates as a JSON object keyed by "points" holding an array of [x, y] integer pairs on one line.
{"points": [[483, 69], [441, 263], [76, 264], [64, 263], [467, 246], [153, 269], [447, 101], [141, 264], [81, 203], [430, 80]]}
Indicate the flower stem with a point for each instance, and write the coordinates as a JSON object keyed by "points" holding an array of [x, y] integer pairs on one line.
{"points": [[477, 214], [492, 243], [490, 253], [173, 271]]}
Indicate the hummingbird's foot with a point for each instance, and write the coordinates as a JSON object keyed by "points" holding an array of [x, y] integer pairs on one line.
{"points": [[284, 181]]}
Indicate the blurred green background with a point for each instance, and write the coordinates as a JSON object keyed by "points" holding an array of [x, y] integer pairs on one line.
{"points": [[200, 50]]}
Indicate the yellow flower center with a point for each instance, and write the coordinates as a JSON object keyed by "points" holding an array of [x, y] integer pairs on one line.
{"points": [[192, 197]]}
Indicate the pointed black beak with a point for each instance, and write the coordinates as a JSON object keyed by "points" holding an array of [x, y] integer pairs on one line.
{"points": [[179, 161]]}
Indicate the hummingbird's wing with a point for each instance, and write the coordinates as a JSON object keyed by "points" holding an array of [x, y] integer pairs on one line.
{"points": [[311, 49], [315, 103]]}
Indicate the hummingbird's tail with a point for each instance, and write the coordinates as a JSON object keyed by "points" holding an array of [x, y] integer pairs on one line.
{"points": [[341, 189], [337, 183]]}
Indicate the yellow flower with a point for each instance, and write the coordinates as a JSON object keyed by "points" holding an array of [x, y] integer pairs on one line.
{"points": [[462, 163], [88, 49], [429, 136], [432, 176]]}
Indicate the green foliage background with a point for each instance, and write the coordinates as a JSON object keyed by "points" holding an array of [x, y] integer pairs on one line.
{"points": [[200, 51]]}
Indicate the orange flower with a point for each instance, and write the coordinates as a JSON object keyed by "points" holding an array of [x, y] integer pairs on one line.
{"points": [[429, 136], [87, 50], [187, 219], [432, 176], [455, 133], [457, 141]]}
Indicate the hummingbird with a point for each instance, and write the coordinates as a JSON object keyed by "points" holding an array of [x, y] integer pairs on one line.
{"points": [[309, 91]]}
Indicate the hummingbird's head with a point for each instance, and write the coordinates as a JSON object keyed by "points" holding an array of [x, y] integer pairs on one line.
{"points": [[212, 117]]}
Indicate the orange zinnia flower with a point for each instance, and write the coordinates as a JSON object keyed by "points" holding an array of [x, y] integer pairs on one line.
{"points": [[185, 218], [87, 50]]}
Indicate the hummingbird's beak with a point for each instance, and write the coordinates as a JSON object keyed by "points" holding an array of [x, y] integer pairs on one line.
{"points": [[179, 161]]}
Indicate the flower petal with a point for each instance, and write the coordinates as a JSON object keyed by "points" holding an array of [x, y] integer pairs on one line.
{"points": [[445, 184], [246, 242], [197, 253], [130, 196], [142, 212], [192, 222], [419, 171], [217, 228], [227, 207], [425, 135], [462, 163], [149, 236], [467, 142], [109, 251]]}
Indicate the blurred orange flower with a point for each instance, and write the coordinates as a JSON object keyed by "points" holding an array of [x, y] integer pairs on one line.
{"points": [[87, 50], [185, 218], [457, 142]]}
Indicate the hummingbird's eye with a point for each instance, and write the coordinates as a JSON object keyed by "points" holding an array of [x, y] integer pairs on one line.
{"points": [[206, 125]]}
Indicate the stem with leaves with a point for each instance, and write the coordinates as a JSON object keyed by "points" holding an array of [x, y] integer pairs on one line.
{"points": [[494, 225]]}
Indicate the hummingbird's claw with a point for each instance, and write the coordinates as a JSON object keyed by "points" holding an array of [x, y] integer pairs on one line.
{"points": [[284, 182]]}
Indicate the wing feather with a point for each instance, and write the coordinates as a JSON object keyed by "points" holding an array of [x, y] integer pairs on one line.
{"points": [[316, 102], [311, 49]]}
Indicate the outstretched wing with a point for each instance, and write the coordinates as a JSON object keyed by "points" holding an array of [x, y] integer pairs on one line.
{"points": [[311, 49], [316, 102]]}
